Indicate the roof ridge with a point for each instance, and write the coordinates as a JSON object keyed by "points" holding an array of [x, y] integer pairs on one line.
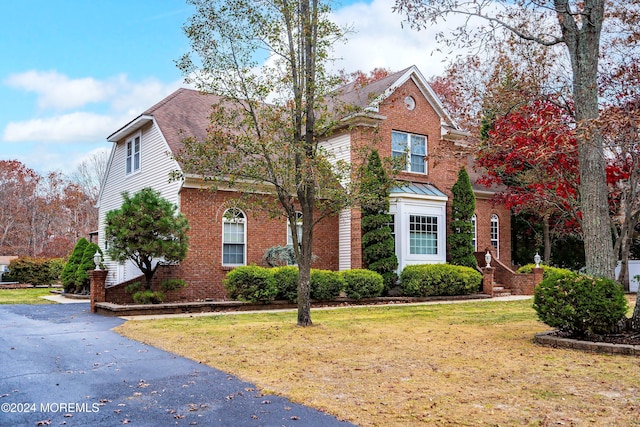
{"points": [[168, 98]]}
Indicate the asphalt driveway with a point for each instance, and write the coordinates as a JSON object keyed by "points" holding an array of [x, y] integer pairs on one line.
{"points": [[62, 365]]}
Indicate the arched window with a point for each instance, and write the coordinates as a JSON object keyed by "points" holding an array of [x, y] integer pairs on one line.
{"points": [[474, 241], [298, 230], [495, 236], [234, 234]]}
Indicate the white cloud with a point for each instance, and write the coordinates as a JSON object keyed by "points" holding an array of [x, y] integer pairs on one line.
{"points": [[380, 41], [59, 92], [72, 127], [116, 101]]}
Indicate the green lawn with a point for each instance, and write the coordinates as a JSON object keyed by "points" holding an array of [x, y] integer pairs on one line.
{"points": [[456, 364], [24, 296]]}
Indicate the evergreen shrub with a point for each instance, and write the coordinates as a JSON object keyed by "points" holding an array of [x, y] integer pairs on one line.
{"points": [[425, 280], [362, 283], [580, 305], [287, 282], [548, 270], [68, 276], [35, 271], [325, 284], [148, 297], [251, 283]]}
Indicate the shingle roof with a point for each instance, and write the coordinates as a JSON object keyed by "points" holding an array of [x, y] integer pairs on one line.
{"points": [[182, 114], [360, 96]]}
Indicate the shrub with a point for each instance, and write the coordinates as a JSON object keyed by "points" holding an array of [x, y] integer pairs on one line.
{"points": [[148, 297], [70, 269], [439, 279], [287, 282], [36, 271], [325, 284], [172, 284], [548, 270], [133, 288], [86, 264], [362, 283], [279, 256], [251, 283], [580, 305]]}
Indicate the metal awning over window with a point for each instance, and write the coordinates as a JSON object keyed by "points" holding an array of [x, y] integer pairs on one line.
{"points": [[415, 189]]}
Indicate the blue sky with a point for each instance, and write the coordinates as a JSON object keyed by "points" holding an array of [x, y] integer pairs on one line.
{"points": [[74, 71]]}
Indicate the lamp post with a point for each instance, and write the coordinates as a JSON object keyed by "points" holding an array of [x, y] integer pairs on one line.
{"points": [[487, 259], [537, 258], [97, 259]]}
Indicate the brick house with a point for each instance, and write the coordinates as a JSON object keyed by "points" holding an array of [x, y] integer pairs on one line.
{"points": [[399, 114]]}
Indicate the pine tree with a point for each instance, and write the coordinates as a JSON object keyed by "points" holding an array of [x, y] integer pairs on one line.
{"points": [[461, 237], [68, 275], [378, 246]]}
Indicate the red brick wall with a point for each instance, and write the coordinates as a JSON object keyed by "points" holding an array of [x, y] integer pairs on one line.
{"points": [[444, 158], [203, 270]]}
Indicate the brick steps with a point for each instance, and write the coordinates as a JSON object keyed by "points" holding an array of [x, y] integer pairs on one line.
{"points": [[500, 291]]}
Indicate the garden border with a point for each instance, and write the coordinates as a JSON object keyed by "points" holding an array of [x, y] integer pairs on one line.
{"points": [[549, 340]]}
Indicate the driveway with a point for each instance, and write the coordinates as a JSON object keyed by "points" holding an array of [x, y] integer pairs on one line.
{"points": [[62, 365]]}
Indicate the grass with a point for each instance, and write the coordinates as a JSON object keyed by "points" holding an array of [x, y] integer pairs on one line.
{"points": [[442, 365], [24, 296]]}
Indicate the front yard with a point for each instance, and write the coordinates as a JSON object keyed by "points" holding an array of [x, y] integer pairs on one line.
{"points": [[450, 364], [24, 296]]}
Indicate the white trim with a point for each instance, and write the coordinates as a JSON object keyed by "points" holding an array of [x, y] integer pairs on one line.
{"points": [[497, 239], [134, 125], [474, 221], [131, 140], [244, 236]]}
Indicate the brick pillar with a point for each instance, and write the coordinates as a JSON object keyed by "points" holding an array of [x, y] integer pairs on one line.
{"points": [[97, 279], [538, 273], [487, 280]]}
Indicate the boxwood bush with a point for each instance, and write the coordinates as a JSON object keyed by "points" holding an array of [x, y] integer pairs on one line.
{"points": [[36, 271], [325, 284], [425, 280], [580, 305], [362, 283], [548, 270], [287, 282], [251, 283]]}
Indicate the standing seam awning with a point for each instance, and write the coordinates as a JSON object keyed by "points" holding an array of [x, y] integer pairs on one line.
{"points": [[418, 189]]}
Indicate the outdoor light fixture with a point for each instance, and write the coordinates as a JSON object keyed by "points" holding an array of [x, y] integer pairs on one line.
{"points": [[537, 258], [487, 259], [97, 259]]}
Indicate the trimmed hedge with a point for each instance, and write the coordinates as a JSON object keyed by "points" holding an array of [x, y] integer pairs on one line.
{"points": [[325, 284], [425, 280], [580, 305], [251, 283], [36, 271], [362, 283], [148, 297], [548, 270], [287, 282]]}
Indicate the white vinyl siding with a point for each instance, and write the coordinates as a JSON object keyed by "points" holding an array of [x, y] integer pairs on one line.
{"points": [[338, 149], [344, 240], [155, 174]]}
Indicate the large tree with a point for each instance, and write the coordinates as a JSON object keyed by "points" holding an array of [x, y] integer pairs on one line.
{"points": [[147, 228], [578, 27], [265, 131]]}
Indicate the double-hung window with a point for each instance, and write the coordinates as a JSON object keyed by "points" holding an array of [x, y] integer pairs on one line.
{"points": [[411, 147], [133, 155], [423, 235], [495, 237], [233, 237]]}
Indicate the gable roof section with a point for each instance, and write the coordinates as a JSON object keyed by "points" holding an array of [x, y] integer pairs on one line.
{"points": [[182, 114], [370, 96]]}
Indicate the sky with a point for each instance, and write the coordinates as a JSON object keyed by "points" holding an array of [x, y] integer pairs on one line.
{"points": [[74, 71]]}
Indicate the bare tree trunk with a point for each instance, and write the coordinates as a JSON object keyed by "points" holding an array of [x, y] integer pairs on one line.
{"points": [[583, 42], [546, 233]]}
